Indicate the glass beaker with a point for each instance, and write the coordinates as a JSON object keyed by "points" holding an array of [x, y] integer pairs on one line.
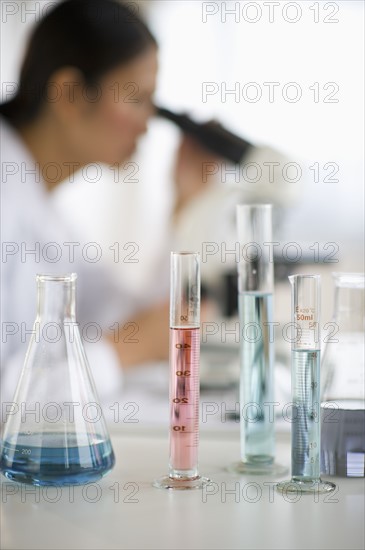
{"points": [[55, 432], [343, 396]]}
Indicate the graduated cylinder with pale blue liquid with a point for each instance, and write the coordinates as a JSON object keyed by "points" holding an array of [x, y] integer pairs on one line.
{"points": [[255, 301], [305, 387]]}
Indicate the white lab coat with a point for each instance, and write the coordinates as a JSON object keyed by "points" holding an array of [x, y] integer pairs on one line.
{"points": [[29, 222]]}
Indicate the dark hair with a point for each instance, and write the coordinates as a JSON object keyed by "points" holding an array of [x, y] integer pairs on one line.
{"points": [[93, 36]]}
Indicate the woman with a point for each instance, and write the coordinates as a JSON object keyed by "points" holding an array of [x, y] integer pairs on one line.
{"points": [[85, 95]]}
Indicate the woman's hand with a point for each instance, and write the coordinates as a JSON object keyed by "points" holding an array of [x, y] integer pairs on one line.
{"points": [[149, 341]]}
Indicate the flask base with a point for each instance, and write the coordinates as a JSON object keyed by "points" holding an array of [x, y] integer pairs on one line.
{"points": [[25, 462]]}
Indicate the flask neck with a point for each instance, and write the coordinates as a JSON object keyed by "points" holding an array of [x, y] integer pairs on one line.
{"points": [[56, 299]]}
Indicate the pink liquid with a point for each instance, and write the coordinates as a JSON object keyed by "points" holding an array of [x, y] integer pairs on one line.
{"points": [[184, 400]]}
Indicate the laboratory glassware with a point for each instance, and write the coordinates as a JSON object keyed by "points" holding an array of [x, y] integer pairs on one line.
{"points": [[305, 383], [343, 388], [184, 374], [55, 432], [255, 304]]}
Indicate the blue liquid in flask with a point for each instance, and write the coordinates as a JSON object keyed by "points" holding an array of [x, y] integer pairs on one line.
{"points": [[45, 459]]}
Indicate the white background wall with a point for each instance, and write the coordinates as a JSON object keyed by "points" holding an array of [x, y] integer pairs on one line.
{"points": [[231, 51]]}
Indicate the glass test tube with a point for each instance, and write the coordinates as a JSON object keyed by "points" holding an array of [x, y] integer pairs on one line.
{"points": [[184, 374], [306, 356], [255, 301]]}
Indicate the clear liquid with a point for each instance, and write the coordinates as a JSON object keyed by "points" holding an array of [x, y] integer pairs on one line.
{"points": [[184, 401], [24, 460], [343, 438], [256, 381], [305, 428]]}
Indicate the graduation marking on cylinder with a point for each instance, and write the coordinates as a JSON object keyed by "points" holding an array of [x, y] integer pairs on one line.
{"points": [[305, 387], [184, 374]]}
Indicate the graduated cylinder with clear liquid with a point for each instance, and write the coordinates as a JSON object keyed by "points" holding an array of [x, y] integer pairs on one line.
{"points": [[55, 432], [184, 374], [305, 386], [255, 302]]}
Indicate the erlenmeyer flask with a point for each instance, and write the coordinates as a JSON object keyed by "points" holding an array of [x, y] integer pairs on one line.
{"points": [[343, 383], [55, 432]]}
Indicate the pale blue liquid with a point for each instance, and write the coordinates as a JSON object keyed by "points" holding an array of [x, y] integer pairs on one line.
{"points": [[256, 381], [54, 463], [305, 428]]}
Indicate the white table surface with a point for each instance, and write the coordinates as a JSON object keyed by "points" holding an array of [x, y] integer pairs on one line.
{"points": [[123, 510]]}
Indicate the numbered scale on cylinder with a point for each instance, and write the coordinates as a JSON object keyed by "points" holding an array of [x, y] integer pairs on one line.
{"points": [[184, 374], [306, 355]]}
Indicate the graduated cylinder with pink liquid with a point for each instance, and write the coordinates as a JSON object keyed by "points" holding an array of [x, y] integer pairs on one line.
{"points": [[184, 374]]}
